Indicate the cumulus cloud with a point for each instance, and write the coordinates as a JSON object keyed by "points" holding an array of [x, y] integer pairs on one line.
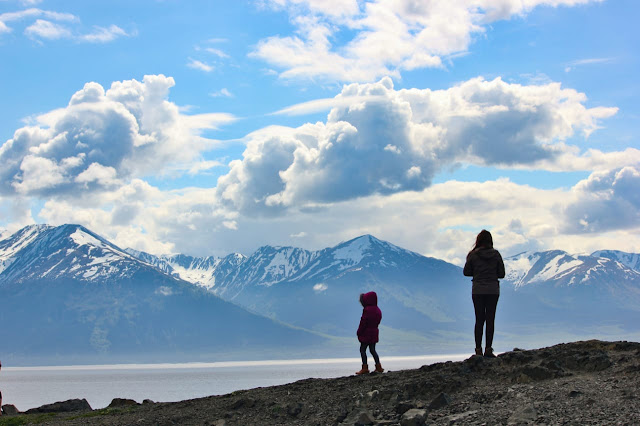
{"points": [[378, 140], [607, 200], [102, 137], [389, 36]]}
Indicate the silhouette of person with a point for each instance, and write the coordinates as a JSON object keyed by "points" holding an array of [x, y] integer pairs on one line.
{"points": [[485, 265]]}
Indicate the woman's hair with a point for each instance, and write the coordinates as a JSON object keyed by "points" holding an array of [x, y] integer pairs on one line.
{"points": [[484, 239], [361, 297]]}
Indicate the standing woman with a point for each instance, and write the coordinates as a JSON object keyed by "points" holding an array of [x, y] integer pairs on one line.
{"points": [[485, 265]]}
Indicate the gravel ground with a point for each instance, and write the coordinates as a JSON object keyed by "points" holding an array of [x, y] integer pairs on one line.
{"points": [[581, 383]]}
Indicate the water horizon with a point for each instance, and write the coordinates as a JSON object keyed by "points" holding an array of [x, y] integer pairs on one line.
{"points": [[33, 386]]}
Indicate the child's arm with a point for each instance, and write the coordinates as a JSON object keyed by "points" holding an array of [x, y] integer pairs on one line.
{"points": [[362, 326]]}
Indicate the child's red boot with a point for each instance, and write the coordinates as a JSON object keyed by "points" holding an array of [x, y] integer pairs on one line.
{"points": [[365, 369]]}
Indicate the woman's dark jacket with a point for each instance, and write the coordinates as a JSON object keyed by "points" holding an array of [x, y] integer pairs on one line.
{"points": [[371, 317], [485, 265]]}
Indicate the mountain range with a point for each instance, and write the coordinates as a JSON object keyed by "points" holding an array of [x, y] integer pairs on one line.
{"points": [[72, 293]]}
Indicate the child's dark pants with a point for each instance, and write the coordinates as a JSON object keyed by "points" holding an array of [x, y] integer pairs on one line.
{"points": [[372, 349]]}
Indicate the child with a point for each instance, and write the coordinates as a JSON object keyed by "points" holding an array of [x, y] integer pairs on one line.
{"points": [[368, 330]]}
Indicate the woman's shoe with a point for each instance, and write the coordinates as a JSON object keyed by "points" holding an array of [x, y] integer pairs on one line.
{"points": [[479, 351], [365, 369], [378, 369], [489, 353]]}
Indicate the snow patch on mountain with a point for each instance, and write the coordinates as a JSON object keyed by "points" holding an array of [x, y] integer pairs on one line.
{"points": [[631, 260], [353, 252]]}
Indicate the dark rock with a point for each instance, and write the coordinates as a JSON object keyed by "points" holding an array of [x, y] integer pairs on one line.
{"points": [[343, 415], [414, 417], [122, 402], [242, 403], [364, 418], [148, 401], [10, 410], [442, 400], [294, 410], [62, 407], [373, 395], [404, 406], [574, 394], [538, 373]]}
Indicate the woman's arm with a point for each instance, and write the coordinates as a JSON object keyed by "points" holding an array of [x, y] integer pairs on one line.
{"points": [[468, 267], [501, 272]]}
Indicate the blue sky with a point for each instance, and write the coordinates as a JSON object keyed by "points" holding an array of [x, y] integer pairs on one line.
{"points": [[206, 127]]}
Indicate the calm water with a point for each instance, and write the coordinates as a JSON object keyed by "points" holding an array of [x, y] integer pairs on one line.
{"points": [[28, 387]]}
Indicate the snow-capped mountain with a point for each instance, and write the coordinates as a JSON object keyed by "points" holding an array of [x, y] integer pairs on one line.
{"points": [[319, 290], [269, 265], [69, 296], [69, 251], [72, 290], [561, 268]]}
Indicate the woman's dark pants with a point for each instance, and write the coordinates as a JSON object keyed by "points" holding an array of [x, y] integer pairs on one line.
{"points": [[485, 307]]}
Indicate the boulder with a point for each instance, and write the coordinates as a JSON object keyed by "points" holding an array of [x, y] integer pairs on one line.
{"points": [[404, 406], [122, 402], [10, 410], [414, 417], [442, 400], [364, 418], [62, 407]]}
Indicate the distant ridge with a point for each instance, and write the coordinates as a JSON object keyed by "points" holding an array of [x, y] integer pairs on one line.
{"points": [[71, 296], [74, 292]]}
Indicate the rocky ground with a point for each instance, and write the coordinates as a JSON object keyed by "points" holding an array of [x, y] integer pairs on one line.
{"points": [[580, 383]]}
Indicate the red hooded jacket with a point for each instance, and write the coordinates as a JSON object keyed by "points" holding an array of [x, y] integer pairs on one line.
{"points": [[371, 317]]}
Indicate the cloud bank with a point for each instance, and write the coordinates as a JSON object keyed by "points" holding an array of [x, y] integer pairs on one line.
{"points": [[389, 36], [369, 168], [378, 140], [102, 137]]}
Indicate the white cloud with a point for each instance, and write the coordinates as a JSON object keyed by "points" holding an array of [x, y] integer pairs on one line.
{"points": [[224, 92], [199, 65], [201, 166], [164, 291], [439, 221], [389, 35], [48, 30], [607, 200], [380, 140], [102, 137], [104, 35], [319, 288], [219, 53]]}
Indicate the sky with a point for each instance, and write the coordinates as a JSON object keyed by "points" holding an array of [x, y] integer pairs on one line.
{"points": [[212, 127]]}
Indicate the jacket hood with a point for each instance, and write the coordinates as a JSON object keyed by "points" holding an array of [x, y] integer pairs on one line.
{"points": [[486, 252], [370, 299]]}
